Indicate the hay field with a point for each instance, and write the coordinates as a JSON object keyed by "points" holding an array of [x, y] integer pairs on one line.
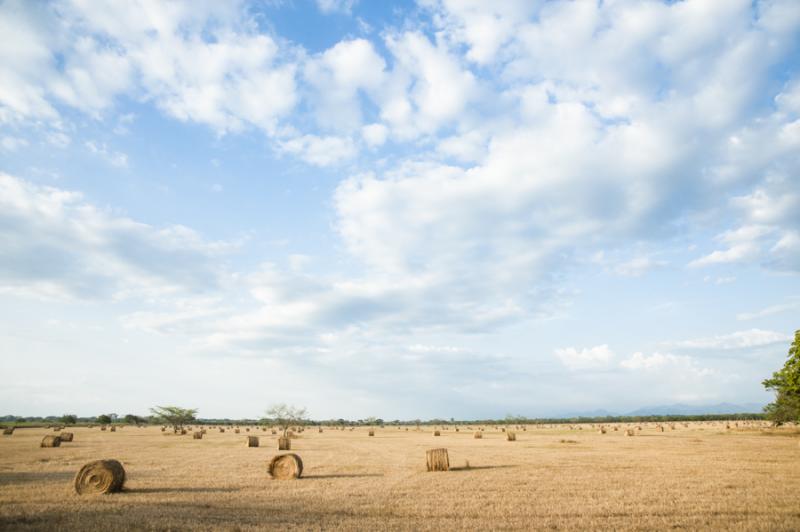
{"points": [[699, 477]]}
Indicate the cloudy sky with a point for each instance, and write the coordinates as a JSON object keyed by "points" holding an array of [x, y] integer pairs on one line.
{"points": [[441, 208]]}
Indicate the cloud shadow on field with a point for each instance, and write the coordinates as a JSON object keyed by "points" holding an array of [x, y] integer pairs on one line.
{"points": [[21, 477], [342, 475]]}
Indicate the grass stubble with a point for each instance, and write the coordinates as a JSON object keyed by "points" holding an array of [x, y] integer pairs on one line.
{"points": [[700, 477]]}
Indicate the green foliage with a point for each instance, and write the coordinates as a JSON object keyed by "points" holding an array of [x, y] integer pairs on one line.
{"points": [[104, 419], [286, 415], [69, 419], [786, 384], [174, 416]]}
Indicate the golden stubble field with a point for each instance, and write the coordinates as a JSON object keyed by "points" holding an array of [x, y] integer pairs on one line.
{"points": [[699, 477]]}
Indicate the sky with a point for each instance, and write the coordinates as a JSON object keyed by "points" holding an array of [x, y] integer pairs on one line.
{"points": [[406, 210]]}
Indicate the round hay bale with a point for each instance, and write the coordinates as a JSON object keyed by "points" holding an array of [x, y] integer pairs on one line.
{"points": [[197, 436], [629, 432], [113, 429], [163, 429], [236, 431], [252, 441], [221, 429], [274, 432], [478, 435], [247, 429], [100, 476], [511, 436], [66, 436], [284, 443], [371, 433], [103, 427], [8, 431], [50, 441], [437, 433], [56, 429], [285, 466], [437, 460], [601, 430]]}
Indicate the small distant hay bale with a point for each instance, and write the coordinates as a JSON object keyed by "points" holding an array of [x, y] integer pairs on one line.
{"points": [[661, 428], [50, 441], [100, 476], [236, 431], [56, 429], [638, 428], [601, 430], [66, 436], [285, 467], [221, 429], [103, 427], [511, 436], [163, 429], [113, 429], [284, 443], [616, 429], [8, 431], [263, 429], [568, 441], [197, 436], [252, 441], [274, 432], [629, 432], [478, 435], [247, 429], [437, 433], [371, 433], [456, 429], [503, 429], [437, 460]]}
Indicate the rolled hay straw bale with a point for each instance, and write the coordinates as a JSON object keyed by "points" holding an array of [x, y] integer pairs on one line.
{"points": [[236, 431], [456, 429], [629, 432], [103, 427], [50, 441], [661, 428], [56, 429], [601, 430], [371, 433], [100, 476], [221, 429], [616, 429], [197, 436], [163, 429], [8, 431], [437, 460], [252, 441], [247, 429], [511, 436], [437, 433], [66, 436], [284, 443], [273, 432], [320, 430], [285, 467], [113, 429], [478, 435], [263, 429]]}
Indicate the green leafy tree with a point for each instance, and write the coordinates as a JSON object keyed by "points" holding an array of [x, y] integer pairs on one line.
{"points": [[285, 416], [174, 416], [104, 419], [69, 419], [786, 384]]}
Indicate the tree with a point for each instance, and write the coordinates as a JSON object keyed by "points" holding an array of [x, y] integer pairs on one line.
{"points": [[69, 419], [786, 384], [285, 416], [104, 419], [131, 419], [174, 416]]}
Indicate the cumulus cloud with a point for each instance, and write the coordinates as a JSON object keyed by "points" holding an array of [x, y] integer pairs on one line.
{"points": [[587, 358], [664, 362], [56, 244]]}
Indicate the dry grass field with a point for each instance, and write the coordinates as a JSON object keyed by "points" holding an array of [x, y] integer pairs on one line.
{"points": [[700, 477]]}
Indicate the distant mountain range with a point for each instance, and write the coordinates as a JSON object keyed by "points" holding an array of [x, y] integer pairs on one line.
{"points": [[678, 409]]}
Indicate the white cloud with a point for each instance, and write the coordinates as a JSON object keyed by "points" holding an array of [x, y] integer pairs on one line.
{"points": [[768, 311], [669, 363], [588, 358], [114, 158], [55, 244], [738, 340], [10, 143], [320, 151], [336, 6], [375, 134]]}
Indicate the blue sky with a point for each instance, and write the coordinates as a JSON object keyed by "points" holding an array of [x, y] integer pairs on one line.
{"points": [[433, 209]]}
